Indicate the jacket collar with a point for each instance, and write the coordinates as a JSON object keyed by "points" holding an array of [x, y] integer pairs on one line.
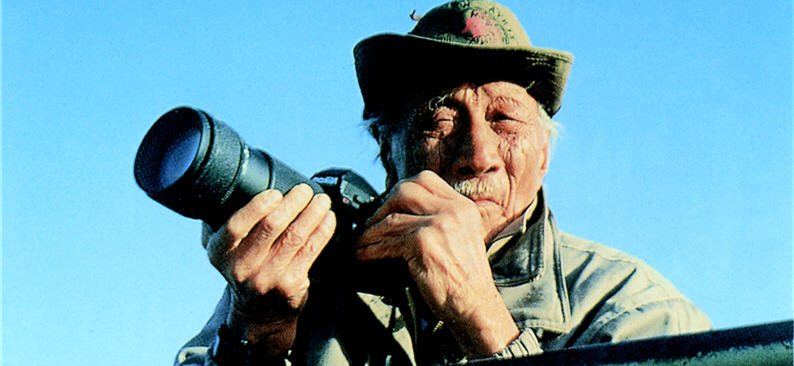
{"points": [[527, 271]]}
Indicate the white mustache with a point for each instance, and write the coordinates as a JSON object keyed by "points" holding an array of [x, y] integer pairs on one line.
{"points": [[472, 187]]}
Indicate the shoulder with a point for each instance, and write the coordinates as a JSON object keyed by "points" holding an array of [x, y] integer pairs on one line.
{"points": [[582, 259], [578, 247], [619, 294]]}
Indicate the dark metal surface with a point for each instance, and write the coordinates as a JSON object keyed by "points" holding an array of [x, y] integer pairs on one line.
{"points": [[767, 344]]}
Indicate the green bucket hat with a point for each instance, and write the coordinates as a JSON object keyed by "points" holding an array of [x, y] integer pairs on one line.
{"points": [[460, 41]]}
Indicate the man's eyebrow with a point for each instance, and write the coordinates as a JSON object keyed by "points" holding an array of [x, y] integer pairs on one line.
{"points": [[502, 99], [512, 106]]}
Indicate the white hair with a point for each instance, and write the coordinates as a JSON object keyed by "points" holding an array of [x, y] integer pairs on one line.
{"points": [[551, 126], [472, 187]]}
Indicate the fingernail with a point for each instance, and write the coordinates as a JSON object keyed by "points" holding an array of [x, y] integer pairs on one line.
{"points": [[324, 199]]}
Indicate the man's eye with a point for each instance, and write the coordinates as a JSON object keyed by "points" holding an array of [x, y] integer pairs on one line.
{"points": [[507, 124], [500, 117]]}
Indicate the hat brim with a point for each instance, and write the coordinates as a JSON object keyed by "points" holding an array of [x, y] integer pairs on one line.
{"points": [[391, 67]]}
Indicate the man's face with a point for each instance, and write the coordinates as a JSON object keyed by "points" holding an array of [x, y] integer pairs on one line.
{"points": [[484, 140]]}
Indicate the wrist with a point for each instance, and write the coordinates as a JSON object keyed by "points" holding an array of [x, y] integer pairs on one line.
{"points": [[232, 347], [486, 332], [488, 341], [274, 334]]}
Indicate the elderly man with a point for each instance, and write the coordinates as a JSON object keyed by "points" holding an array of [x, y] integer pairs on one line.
{"points": [[460, 108]]}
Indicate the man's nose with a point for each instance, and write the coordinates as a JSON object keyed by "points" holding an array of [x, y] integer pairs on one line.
{"points": [[479, 150]]}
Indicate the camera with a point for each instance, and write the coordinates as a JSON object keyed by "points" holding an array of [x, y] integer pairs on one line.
{"points": [[199, 167]]}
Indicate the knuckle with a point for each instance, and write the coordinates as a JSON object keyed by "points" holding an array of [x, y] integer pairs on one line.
{"points": [[402, 189], [271, 225], [260, 285], [292, 237], [402, 181], [291, 280], [429, 178], [425, 175], [391, 219], [240, 274]]}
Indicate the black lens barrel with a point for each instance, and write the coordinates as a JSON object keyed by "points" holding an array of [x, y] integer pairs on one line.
{"points": [[223, 175]]}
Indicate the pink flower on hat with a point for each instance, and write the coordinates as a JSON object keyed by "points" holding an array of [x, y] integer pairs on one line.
{"points": [[483, 29]]}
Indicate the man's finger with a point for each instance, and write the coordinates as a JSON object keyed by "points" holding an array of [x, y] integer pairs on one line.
{"points": [[434, 184], [315, 244], [406, 197], [295, 236], [237, 227], [260, 239], [390, 247], [241, 222], [393, 225]]}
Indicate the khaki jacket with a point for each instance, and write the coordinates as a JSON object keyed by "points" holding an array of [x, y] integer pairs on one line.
{"points": [[561, 290]]}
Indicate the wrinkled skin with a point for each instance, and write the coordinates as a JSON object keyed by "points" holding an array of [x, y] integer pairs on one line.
{"points": [[482, 134], [488, 136], [264, 251]]}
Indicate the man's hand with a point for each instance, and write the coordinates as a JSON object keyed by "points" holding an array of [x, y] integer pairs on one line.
{"points": [[439, 234], [265, 251]]}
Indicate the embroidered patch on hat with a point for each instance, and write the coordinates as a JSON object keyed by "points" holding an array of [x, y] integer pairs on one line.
{"points": [[483, 29]]}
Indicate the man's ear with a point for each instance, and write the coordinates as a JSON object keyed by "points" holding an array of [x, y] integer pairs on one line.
{"points": [[546, 151]]}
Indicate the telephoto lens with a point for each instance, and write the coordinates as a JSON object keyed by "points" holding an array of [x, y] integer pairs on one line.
{"points": [[199, 167]]}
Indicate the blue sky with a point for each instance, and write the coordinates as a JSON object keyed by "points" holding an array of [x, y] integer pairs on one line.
{"points": [[677, 148]]}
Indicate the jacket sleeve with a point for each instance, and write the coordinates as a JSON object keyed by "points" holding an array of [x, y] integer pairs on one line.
{"points": [[662, 317], [194, 356], [525, 345], [196, 352]]}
